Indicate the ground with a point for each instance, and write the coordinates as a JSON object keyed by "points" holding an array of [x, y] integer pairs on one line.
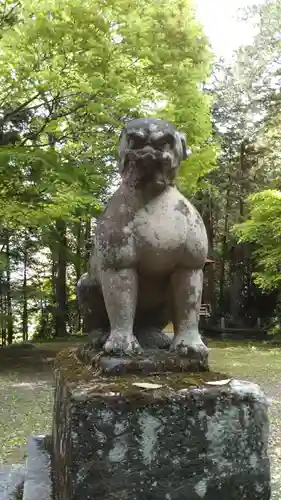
{"points": [[26, 393]]}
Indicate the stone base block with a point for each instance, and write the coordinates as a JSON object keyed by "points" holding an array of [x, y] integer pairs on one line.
{"points": [[11, 481], [148, 362], [165, 437], [37, 484]]}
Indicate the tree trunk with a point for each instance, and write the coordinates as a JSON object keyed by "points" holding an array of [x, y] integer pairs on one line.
{"points": [[2, 313], [10, 323], [209, 294], [243, 176], [237, 265], [24, 291], [238, 261], [224, 253], [78, 262], [78, 257], [87, 247], [53, 283], [61, 293]]}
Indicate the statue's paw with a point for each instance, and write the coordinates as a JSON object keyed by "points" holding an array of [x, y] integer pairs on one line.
{"points": [[193, 348], [122, 345]]}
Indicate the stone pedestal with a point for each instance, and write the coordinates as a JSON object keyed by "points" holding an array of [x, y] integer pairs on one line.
{"points": [[175, 437], [149, 362]]}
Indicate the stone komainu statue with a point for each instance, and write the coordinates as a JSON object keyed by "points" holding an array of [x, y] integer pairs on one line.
{"points": [[149, 251]]}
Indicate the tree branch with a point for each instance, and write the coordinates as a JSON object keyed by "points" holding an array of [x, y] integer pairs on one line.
{"points": [[20, 108]]}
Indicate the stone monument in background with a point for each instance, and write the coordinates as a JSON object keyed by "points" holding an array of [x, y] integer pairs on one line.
{"points": [[138, 415]]}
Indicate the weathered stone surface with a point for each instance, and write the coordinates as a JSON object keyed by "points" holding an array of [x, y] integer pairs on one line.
{"points": [[11, 480], [37, 484], [149, 251], [113, 440], [148, 362]]}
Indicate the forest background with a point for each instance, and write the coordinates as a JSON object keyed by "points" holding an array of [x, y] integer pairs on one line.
{"points": [[71, 73]]}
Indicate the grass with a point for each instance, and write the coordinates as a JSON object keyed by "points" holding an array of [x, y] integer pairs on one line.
{"points": [[260, 364], [25, 400], [26, 393]]}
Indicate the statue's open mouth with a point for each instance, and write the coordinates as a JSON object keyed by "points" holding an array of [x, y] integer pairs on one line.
{"points": [[143, 154], [151, 166], [149, 156]]}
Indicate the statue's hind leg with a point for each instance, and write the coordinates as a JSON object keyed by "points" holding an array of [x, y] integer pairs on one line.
{"points": [[93, 310], [149, 326]]}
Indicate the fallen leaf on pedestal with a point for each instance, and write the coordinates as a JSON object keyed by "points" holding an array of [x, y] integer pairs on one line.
{"points": [[147, 385], [220, 382]]}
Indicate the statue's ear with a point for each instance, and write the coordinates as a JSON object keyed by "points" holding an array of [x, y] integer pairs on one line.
{"points": [[183, 145]]}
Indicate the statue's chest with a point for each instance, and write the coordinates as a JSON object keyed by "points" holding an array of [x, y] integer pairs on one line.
{"points": [[156, 238], [161, 231], [159, 228]]}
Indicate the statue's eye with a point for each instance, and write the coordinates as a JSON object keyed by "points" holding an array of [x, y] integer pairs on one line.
{"points": [[137, 142], [163, 141]]}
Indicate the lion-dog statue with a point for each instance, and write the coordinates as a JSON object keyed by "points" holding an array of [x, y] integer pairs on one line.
{"points": [[149, 251]]}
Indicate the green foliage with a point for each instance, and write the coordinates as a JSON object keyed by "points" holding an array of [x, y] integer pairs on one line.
{"points": [[72, 71], [259, 64], [8, 14], [264, 229]]}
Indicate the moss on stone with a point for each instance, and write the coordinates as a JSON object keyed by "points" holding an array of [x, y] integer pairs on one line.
{"points": [[73, 370], [145, 363], [82, 377]]}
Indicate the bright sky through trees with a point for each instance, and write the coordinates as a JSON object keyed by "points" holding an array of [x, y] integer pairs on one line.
{"points": [[222, 26]]}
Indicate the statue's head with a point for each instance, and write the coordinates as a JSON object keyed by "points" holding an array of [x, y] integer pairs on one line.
{"points": [[150, 151]]}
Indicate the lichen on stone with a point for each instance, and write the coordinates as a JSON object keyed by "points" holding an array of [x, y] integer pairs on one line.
{"points": [[83, 381]]}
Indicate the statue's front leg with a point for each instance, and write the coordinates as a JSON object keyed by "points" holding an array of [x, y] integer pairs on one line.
{"points": [[120, 288], [186, 294]]}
